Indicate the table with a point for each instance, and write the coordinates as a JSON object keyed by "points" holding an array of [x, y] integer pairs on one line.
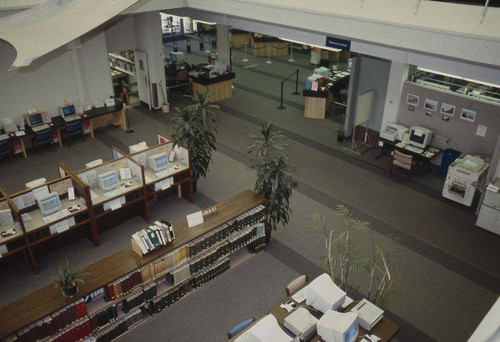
{"points": [[219, 86], [428, 154], [385, 329], [315, 103]]}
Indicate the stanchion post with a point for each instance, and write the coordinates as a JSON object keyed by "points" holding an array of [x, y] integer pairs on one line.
{"points": [[245, 59], [291, 53], [281, 101], [297, 83], [269, 55]]}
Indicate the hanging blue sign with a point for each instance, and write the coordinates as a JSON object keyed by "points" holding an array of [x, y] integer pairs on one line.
{"points": [[337, 43]]}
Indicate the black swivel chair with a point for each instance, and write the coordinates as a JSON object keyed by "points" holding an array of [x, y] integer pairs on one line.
{"points": [[72, 129], [5, 149], [42, 138]]}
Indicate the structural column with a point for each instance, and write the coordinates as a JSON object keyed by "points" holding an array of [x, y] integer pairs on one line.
{"points": [[397, 76], [223, 44]]}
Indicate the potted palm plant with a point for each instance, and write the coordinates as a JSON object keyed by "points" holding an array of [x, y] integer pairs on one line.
{"points": [[68, 280], [195, 128], [275, 179]]}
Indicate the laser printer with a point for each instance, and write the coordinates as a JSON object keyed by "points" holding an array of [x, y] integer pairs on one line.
{"points": [[393, 131]]}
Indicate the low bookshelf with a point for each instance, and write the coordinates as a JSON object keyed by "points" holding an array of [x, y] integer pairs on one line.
{"points": [[125, 289]]}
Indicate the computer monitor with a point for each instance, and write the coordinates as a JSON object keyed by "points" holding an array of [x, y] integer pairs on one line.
{"points": [[334, 326], [34, 119], [158, 162], [173, 57], [108, 180], [323, 295], [420, 136], [49, 203], [68, 110]]}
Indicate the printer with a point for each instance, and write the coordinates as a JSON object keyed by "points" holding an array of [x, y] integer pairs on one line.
{"points": [[393, 131]]}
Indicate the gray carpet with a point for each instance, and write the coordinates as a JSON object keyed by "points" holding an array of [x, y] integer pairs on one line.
{"points": [[449, 274]]}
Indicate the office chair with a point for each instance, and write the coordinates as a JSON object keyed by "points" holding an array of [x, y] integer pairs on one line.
{"points": [[239, 327], [5, 149], [404, 161], [296, 284], [42, 138], [73, 129]]}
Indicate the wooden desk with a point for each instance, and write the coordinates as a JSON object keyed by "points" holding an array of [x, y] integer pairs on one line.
{"points": [[385, 329], [41, 303], [182, 180], [220, 86], [277, 46], [315, 104]]}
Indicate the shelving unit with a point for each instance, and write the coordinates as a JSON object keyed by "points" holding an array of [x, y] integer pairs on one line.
{"points": [[236, 218], [122, 66]]}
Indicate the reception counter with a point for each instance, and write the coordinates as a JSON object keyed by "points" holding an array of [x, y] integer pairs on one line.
{"points": [[219, 86]]}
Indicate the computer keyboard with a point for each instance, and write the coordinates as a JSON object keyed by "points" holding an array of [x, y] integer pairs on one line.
{"points": [[114, 192], [55, 216], [72, 118], [40, 127], [163, 173], [413, 149]]}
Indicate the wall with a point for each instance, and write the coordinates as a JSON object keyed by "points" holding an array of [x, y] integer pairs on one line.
{"points": [[55, 77], [373, 74], [462, 134], [121, 35]]}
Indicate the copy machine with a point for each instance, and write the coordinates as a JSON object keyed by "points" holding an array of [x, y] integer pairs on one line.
{"points": [[464, 175], [393, 131]]}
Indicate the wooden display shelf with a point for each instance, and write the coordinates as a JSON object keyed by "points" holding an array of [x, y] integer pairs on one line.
{"points": [[47, 300]]}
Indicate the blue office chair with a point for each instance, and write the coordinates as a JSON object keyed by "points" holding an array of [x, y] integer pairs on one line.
{"points": [[5, 149], [73, 129], [239, 327], [42, 138]]}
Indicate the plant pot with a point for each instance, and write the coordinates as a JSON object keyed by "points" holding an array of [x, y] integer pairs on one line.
{"points": [[70, 291], [165, 108], [268, 234], [340, 138]]}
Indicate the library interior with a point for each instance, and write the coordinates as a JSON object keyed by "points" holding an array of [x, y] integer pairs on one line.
{"points": [[214, 171]]}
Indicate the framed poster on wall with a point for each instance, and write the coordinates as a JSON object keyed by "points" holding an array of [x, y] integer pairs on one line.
{"points": [[412, 99], [431, 105], [447, 109], [468, 115]]}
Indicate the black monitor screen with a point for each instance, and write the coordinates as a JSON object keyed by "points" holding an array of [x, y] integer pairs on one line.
{"points": [[173, 57], [35, 119], [68, 110]]}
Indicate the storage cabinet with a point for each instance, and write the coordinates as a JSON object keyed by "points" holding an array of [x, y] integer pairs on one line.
{"points": [[489, 215]]}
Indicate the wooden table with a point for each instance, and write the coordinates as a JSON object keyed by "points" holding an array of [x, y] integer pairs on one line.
{"points": [[315, 104], [385, 329]]}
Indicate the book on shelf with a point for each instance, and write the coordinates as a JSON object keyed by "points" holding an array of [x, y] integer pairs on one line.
{"points": [[368, 314]]}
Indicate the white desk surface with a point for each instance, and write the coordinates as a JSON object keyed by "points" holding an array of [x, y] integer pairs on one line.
{"points": [[36, 215], [100, 199], [18, 233], [151, 177]]}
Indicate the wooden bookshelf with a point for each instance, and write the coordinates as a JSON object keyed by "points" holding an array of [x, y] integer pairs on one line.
{"points": [[45, 301]]}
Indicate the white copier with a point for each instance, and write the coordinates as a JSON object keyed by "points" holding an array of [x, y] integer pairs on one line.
{"points": [[465, 174], [393, 131]]}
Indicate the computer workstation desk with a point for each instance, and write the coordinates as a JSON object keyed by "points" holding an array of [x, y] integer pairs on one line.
{"points": [[385, 328], [424, 155]]}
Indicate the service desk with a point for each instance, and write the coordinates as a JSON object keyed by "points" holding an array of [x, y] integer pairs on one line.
{"points": [[315, 103], [221, 86]]}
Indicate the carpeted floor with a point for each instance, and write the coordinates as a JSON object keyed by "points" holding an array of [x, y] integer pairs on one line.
{"points": [[448, 271]]}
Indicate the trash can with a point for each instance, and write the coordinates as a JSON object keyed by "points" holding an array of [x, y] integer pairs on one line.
{"points": [[449, 156]]}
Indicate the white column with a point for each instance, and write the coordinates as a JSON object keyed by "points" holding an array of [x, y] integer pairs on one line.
{"points": [[223, 44], [149, 40], [398, 74]]}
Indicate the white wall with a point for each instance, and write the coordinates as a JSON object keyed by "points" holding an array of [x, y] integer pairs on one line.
{"points": [[121, 35], [63, 74], [398, 74]]}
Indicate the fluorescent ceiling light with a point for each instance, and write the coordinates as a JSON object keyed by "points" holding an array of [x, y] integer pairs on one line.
{"points": [[459, 77], [302, 43]]}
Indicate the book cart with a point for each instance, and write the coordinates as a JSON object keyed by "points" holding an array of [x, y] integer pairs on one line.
{"points": [[125, 289]]}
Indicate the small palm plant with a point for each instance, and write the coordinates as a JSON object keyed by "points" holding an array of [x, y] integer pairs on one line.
{"points": [[195, 128], [275, 179], [68, 280], [343, 257]]}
